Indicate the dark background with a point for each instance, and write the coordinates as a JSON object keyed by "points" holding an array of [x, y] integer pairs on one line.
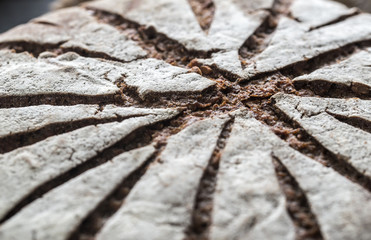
{"points": [[15, 12]]}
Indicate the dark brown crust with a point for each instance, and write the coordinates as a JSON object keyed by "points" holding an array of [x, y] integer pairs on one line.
{"points": [[297, 204], [204, 11], [202, 211], [58, 99]]}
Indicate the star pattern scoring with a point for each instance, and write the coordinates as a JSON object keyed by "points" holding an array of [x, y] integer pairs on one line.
{"points": [[223, 119]]}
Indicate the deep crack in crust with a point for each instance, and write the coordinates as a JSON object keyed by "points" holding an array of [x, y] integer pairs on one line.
{"points": [[201, 216], [297, 204], [229, 93]]}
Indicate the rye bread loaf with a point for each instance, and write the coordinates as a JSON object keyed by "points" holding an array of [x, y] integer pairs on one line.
{"points": [[199, 119]]}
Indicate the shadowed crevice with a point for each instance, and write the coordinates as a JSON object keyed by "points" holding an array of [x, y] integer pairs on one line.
{"points": [[335, 90], [202, 211], [204, 11], [356, 122], [60, 99], [324, 59], [297, 204], [138, 138], [260, 40], [94, 222], [315, 150], [339, 19], [157, 44], [23, 139], [189, 100], [35, 49]]}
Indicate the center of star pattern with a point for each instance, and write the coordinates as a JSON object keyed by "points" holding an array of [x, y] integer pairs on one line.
{"points": [[224, 119]]}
